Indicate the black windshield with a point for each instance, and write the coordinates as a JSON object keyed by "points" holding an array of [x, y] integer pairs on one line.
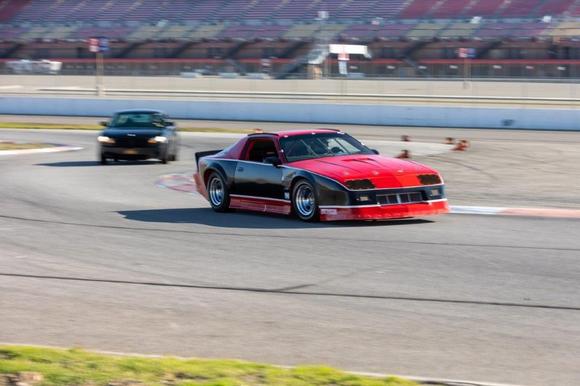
{"points": [[137, 120], [301, 147]]}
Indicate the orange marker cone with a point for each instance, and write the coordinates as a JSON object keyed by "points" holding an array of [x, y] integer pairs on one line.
{"points": [[462, 145]]}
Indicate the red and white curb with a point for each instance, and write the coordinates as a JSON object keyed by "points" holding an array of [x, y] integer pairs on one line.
{"points": [[185, 183], [53, 149], [179, 182]]}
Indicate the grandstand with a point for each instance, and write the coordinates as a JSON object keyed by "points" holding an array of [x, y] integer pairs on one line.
{"points": [[237, 35]]}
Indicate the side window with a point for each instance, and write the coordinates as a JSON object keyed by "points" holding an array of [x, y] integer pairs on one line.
{"points": [[258, 149]]}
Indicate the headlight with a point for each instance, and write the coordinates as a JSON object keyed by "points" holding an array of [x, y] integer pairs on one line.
{"points": [[105, 139], [429, 179], [360, 184], [158, 139]]}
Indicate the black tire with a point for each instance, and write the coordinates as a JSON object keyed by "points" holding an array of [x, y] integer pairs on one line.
{"points": [[103, 160], [165, 158], [305, 201], [218, 193]]}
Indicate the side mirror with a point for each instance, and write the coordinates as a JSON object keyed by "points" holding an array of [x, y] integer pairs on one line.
{"points": [[375, 151], [273, 160], [104, 123]]}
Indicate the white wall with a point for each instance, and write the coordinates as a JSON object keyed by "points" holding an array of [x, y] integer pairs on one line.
{"points": [[315, 112]]}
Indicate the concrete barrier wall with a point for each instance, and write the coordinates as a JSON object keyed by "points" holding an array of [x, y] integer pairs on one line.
{"points": [[315, 112]]}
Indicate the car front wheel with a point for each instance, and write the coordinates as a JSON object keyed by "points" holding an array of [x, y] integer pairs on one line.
{"points": [[304, 201], [218, 193]]}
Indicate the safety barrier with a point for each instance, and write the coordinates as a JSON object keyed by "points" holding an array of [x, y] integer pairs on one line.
{"points": [[314, 112]]}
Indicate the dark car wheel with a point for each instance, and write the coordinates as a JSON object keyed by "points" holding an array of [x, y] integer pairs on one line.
{"points": [[304, 201], [217, 192], [103, 160], [165, 158]]}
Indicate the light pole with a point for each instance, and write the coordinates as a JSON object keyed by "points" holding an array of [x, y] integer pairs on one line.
{"points": [[99, 45], [322, 17]]}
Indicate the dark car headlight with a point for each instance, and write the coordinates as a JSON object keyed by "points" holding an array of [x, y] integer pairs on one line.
{"points": [[359, 184], [158, 139], [105, 139]]}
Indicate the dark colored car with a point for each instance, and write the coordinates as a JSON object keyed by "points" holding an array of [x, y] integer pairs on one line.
{"points": [[138, 135], [317, 175]]}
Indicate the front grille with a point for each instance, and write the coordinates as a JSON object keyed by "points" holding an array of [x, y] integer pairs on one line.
{"points": [[126, 141], [400, 198]]}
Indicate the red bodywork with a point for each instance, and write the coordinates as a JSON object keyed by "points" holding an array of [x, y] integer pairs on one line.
{"points": [[383, 172]]}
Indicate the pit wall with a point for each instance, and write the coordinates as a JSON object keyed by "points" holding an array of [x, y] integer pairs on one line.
{"points": [[315, 112]]}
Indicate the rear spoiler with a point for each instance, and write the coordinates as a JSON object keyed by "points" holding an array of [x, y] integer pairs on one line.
{"points": [[201, 154]]}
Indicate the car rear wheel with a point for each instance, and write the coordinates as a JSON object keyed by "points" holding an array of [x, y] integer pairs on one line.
{"points": [[217, 192], [304, 201]]}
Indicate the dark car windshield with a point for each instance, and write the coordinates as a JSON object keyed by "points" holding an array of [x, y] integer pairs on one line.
{"points": [[137, 120], [301, 147]]}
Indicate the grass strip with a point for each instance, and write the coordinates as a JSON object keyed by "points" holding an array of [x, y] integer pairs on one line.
{"points": [[69, 126], [22, 146], [78, 367]]}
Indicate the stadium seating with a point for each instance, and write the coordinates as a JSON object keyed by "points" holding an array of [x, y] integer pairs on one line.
{"points": [[244, 32], [272, 19], [47, 11], [386, 9], [9, 8], [520, 8], [459, 30], [206, 32], [450, 9], [565, 29], [502, 30], [425, 31], [394, 31], [555, 7], [418, 9], [485, 8], [360, 32]]}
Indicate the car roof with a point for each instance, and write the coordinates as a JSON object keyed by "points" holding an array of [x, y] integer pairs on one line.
{"points": [[291, 133], [140, 111]]}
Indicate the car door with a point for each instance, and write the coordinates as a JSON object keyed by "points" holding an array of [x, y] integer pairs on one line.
{"points": [[253, 176]]}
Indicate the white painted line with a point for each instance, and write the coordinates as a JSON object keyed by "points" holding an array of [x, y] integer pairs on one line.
{"points": [[10, 87], [483, 210], [517, 212], [55, 149]]}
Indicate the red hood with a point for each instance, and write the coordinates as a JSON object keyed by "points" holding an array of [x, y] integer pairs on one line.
{"points": [[384, 172]]}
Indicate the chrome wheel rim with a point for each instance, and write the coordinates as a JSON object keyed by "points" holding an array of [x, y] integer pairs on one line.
{"points": [[305, 202], [216, 191]]}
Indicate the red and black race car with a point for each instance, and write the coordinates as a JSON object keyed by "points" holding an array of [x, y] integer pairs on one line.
{"points": [[318, 175]]}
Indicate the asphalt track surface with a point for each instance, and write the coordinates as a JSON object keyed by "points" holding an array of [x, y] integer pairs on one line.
{"points": [[99, 257]]}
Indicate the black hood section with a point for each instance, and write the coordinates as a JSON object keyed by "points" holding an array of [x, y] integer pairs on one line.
{"points": [[134, 132]]}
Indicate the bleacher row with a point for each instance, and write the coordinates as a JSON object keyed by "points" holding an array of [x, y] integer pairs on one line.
{"points": [[353, 32], [63, 11]]}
